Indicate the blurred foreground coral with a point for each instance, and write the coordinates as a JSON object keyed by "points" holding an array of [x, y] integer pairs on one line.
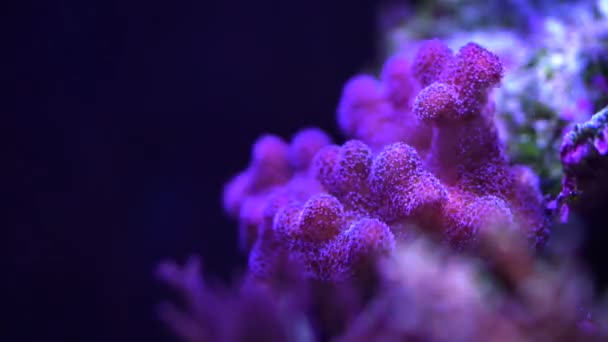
{"points": [[423, 292]]}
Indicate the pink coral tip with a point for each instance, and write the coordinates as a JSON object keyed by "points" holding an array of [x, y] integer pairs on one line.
{"points": [[323, 167], [360, 96], [431, 59], [321, 219], [269, 164], [398, 80], [304, 145], [397, 165], [353, 167], [437, 103], [475, 69], [286, 220], [235, 192], [269, 148], [369, 237]]}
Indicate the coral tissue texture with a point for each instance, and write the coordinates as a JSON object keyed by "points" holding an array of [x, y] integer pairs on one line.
{"points": [[424, 158], [584, 157]]}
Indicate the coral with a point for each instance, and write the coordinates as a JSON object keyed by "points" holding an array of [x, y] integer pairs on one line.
{"points": [[429, 294], [421, 226], [553, 52], [379, 112], [585, 163], [425, 293], [426, 159], [273, 163], [248, 313]]}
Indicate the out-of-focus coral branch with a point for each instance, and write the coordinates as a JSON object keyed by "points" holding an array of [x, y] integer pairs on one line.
{"points": [[424, 292], [252, 312]]}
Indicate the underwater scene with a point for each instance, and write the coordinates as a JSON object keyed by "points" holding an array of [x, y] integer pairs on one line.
{"points": [[395, 171], [444, 210]]}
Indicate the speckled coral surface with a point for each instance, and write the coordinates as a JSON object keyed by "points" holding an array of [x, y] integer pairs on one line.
{"points": [[423, 158]]}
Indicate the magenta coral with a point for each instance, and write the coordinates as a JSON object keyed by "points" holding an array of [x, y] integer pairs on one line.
{"points": [[425, 158], [421, 177], [430, 61]]}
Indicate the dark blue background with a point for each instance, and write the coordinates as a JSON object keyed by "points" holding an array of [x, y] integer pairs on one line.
{"points": [[124, 121]]}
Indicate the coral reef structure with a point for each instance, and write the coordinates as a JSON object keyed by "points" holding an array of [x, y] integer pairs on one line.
{"points": [[416, 228], [425, 157], [422, 225]]}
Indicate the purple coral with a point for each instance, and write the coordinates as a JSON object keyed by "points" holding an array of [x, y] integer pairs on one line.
{"points": [[425, 293], [583, 157], [426, 159], [379, 111], [334, 232]]}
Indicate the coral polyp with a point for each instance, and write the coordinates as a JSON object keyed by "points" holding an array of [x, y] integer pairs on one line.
{"points": [[424, 158]]}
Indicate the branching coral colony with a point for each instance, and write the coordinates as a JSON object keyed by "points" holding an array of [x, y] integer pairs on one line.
{"points": [[424, 161], [425, 158]]}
